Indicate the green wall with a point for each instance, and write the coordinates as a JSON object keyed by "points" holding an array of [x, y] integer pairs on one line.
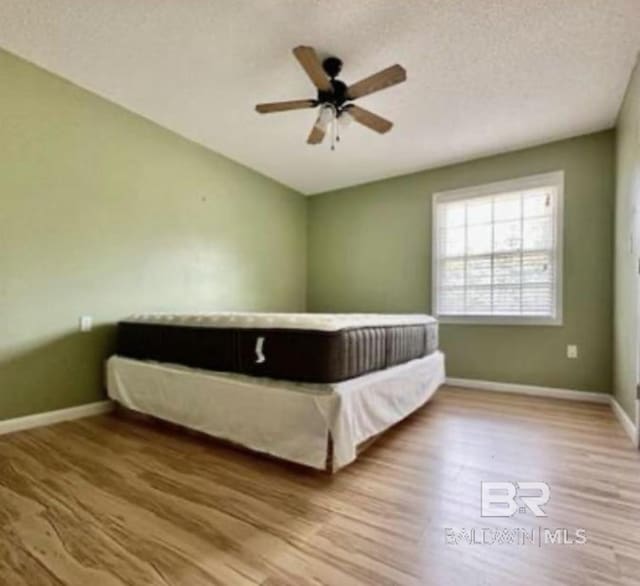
{"points": [[370, 247], [104, 213], [625, 358]]}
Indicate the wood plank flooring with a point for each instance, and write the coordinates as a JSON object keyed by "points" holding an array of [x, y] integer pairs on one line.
{"points": [[108, 501]]}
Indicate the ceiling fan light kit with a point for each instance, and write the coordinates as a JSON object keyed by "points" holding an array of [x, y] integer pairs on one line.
{"points": [[334, 96]]}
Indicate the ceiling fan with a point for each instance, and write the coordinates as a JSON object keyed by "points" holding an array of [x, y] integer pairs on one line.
{"points": [[335, 97]]}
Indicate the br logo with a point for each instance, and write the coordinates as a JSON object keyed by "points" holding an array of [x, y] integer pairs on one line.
{"points": [[505, 499]]}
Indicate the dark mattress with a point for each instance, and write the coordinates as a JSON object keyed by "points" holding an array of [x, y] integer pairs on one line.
{"points": [[311, 356]]}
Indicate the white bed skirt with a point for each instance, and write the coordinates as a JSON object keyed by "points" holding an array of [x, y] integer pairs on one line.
{"points": [[288, 420]]}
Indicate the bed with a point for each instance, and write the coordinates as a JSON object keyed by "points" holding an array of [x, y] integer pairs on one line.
{"points": [[308, 388]]}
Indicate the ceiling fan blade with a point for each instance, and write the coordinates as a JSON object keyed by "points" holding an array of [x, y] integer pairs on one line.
{"points": [[316, 136], [319, 130], [308, 58], [284, 106], [378, 81], [369, 119]]}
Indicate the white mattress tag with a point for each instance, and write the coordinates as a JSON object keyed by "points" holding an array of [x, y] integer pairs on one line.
{"points": [[260, 358]]}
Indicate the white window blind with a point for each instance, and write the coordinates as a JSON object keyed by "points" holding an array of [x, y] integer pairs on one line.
{"points": [[497, 252]]}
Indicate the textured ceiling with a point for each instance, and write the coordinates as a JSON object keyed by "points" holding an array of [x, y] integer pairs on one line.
{"points": [[484, 76]]}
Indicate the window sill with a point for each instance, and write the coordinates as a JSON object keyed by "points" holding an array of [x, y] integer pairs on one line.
{"points": [[480, 320]]}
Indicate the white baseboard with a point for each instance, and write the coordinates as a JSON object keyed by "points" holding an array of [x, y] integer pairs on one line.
{"points": [[549, 392], [629, 426], [51, 417]]}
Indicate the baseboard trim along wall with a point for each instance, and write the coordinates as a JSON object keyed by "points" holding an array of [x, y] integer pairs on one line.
{"points": [[550, 392], [51, 417], [629, 426], [554, 393]]}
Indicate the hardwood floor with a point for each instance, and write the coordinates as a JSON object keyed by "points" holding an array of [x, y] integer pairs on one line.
{"points": [[107, 501]]}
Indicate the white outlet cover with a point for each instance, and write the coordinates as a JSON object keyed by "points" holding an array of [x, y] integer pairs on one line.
{"points": [[572, 351], [86, 323]]}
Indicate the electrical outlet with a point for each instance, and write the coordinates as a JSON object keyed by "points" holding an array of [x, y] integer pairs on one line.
{"points": [[572, 351], [86, 323]]}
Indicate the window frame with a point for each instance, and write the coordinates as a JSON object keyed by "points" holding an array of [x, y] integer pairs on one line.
{"points": [[555, 179]]}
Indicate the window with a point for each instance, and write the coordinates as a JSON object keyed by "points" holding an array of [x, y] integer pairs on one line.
{"points": [[497, 252]]}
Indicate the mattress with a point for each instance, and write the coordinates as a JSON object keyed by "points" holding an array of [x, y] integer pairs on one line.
{"points": [[315, 348]]}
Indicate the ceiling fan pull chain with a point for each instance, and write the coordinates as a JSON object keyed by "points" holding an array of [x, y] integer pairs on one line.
{"points": [[333, 134]]}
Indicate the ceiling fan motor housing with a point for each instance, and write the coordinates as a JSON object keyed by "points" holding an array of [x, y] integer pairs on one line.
{"points": [[338, 95]]}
